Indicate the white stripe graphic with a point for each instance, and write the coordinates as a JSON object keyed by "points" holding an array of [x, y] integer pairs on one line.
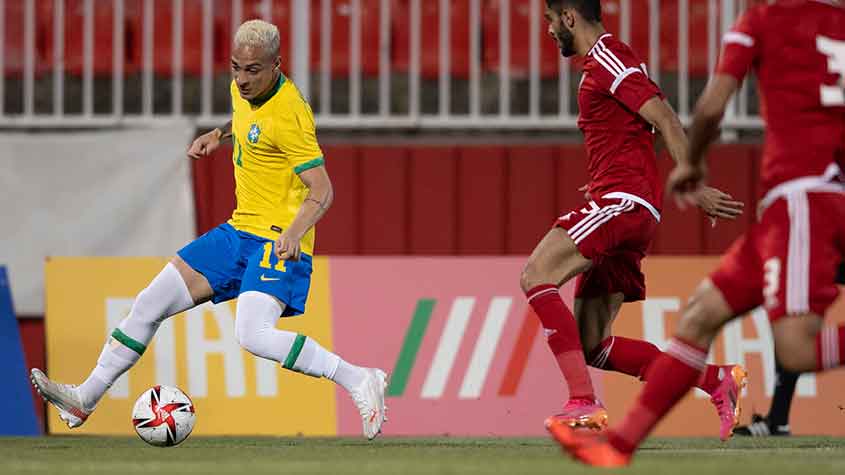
{"points": [[617, 70], [606, 66], [602, 358], [485, 348], [586, 232], [542, 292], [687, 355], [735, 37], [615, 59], [599, 42], [593, 216], [606, 213], [798, 258], [618, 80], [447, 348]]}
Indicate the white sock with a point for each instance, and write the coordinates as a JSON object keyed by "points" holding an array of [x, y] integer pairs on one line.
{"points": [[166, 296], [255, 321], [348, 375]]}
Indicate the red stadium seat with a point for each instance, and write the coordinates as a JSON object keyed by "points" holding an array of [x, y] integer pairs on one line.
{"points": [[430, 37], [12, 46], [281, 17], [192, 18], [340, 46], [74, 34], [520, 51], [251, 9], [697, 33]]}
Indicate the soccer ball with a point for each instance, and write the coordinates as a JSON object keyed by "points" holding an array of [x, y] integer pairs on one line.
{"points": [[163, 416]]}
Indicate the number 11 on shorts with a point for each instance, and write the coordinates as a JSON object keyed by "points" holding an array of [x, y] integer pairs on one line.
{"points": [[265, 260]]}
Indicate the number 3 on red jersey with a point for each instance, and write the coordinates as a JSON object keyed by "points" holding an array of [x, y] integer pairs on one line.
{"points": [[835, 51]]}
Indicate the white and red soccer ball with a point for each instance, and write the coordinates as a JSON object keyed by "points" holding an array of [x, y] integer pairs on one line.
{"points": [[163, 416]]}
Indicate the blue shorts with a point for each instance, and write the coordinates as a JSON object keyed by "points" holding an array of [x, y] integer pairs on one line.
{"points": [[235, 262]]}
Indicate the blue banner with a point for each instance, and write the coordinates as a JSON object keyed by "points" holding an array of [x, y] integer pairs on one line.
{"points": [[18, 410]]}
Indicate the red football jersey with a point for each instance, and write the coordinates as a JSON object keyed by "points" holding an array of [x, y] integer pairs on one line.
{"points": [[797, 50], [619, 142]]}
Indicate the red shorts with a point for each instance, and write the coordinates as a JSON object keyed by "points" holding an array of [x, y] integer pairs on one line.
{"points": [[788, 261], [614, 234]]}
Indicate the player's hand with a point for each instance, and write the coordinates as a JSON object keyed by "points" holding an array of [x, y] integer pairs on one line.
{"points": [[586, 190], [205, 144], [287, 247], [684, 181], [718, 204]]}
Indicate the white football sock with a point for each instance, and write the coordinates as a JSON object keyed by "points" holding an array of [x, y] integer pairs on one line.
{"points": [[166, 296], [255, 327]]}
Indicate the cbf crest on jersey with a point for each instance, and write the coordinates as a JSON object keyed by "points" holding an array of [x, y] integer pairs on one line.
{"points": [[254, 133]]}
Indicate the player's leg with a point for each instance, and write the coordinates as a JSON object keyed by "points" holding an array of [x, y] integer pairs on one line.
{"points": [[175, 289], [776, 422], [733, 289], [201, 269], [555, 260], [802, 283], [629, 356], [255, 327], [670, 377], [634, 357], [271, 289]]}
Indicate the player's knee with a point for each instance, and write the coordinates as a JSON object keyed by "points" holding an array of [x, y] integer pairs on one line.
{"points": [[525, 280], [796, 355], [249, 335], [251, 340], [532, 276], [141, 309], [704, 315], [795, 342]]}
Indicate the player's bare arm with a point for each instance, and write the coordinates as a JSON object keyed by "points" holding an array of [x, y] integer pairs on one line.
{"points": [[715, 203], [704, 130], [318, 201], [207, 143]]}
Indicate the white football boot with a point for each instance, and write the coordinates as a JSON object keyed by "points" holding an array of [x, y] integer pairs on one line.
{"points": [[369, 397], [64, 397]]}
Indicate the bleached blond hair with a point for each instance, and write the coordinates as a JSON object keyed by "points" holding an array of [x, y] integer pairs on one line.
{"points": [[258, 34]]}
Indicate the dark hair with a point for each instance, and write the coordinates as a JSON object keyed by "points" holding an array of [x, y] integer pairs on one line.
{"points": [[589, 9]]}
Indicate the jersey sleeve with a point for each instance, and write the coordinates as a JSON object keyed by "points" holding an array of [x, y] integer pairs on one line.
{"points": [[620, 74], [297, 139], [741, 45]]}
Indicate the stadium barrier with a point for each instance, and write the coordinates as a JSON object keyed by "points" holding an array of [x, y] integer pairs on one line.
{"points": [[465, 353], [386, 64]]}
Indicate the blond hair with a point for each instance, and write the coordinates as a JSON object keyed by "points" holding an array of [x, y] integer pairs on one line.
{"points": [[258, 34]]}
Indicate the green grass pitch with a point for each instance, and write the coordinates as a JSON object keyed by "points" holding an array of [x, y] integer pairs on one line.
{"points": [[406, 456]]}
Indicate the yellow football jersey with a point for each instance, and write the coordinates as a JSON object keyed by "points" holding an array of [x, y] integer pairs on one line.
{"points": [[274, 140]]}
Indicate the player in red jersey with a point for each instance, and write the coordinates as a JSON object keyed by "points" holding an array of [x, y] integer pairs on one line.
{"points": [[787, 260], [605, 240]]}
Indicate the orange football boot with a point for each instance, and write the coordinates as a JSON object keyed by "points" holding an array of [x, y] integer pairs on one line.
{"points": [[586, 447]]}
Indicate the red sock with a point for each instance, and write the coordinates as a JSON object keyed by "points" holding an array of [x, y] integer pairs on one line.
{"points": [[634, 357], [830, 347], [671, 376], [563, 339], [624, 355], [712, 377]]}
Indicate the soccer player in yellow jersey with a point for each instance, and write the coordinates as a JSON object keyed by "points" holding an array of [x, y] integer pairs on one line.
{"points": [[262, 255]]}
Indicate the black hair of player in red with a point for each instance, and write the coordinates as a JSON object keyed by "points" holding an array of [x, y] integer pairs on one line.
{"points": [[589, 9]]}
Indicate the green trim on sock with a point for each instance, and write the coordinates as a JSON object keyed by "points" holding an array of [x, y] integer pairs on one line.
{"points": [[128, 342], [295, 350]]}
